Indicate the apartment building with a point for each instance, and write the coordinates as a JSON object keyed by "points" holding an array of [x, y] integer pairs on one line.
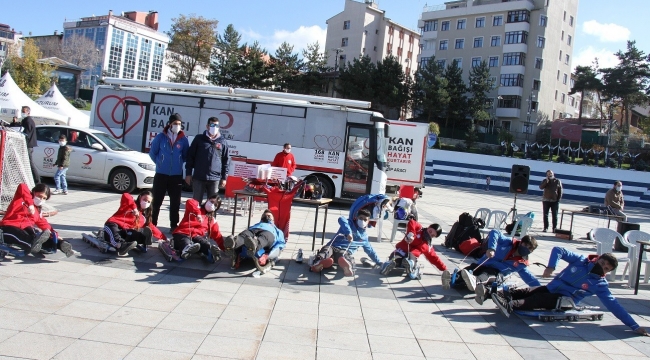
{"points": [[528, 45], [8, 37], [131, 45], [363, 29]]}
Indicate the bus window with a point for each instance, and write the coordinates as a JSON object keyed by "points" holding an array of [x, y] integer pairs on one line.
{"points": [[357, 169], [382, 145]]}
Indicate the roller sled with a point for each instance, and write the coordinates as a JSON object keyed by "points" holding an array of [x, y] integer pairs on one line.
{"points": [[413, 271], [96, 239], [566, 310], [168, 252], [7, 249]]}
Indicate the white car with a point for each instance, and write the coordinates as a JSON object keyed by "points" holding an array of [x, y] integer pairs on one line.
{"points": [[96, 158]]}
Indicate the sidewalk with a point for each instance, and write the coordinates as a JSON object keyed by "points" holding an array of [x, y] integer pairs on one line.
{"points": [[142, 307]]}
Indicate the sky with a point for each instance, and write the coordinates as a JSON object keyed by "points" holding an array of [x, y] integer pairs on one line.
{"points": [[603, 26]]}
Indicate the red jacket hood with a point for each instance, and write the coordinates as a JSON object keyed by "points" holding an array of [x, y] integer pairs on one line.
{"points": [[124, 217]]}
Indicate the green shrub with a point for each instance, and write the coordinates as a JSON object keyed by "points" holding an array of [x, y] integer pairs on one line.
{"points": [[460, 147], [79, 103]]}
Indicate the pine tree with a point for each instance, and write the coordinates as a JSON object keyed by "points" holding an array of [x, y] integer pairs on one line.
{"points": [[225, 58], [430, 91], [253, 71], [357, 79], [390, 91], [312, 80], [457, 90], [286, 66], [586, 79]]}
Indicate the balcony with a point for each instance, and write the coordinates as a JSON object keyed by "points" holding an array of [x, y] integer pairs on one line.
{"points": [[508, 113], [511, 48], [475, 7], [513, 69], [518, 26], [510, 90]]}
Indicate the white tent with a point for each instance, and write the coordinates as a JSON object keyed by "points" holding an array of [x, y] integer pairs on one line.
{"points": [[12, 99], [54, 101]]}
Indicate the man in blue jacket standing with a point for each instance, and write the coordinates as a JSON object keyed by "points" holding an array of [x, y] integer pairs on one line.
{"points": [[169, 151], [351, 236], [207, 161], [583, 277]]}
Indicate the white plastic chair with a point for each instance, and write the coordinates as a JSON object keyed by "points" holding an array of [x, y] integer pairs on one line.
{"points": [[497, 220], [525, 223], [632, 237], [605, 239], [396, 225], [483, 214]]}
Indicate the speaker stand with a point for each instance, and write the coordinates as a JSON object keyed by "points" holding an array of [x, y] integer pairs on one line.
{"points": [[513, 210]]}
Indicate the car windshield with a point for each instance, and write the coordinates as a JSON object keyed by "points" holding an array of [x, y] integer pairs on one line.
{"points": [[112, 143]]}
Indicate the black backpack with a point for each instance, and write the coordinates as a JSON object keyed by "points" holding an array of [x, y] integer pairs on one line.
{"points": [[466, 227]]}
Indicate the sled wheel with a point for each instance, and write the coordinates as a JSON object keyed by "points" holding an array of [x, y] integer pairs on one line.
{"points": [[594, 318], [103, 251], [544, 318], [600, 317]]}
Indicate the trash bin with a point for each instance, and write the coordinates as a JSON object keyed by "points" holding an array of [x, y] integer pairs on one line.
{"points": [[622, 228]]}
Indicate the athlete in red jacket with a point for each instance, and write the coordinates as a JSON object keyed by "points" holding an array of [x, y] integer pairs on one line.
{"points": [[196, 228], [416, 242], [24, 224], [285, 159]]}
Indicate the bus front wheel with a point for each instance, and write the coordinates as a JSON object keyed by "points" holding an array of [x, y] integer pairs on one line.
{"points": [[327, 185]]}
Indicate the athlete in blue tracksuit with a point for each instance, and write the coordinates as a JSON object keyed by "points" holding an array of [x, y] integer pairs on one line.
{"points": [[262, 242], [351, 236], [583, 277]]}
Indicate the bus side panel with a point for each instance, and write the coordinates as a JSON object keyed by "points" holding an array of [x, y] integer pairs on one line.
{"points": [[325, 130], [277, 129], [121, 114]]}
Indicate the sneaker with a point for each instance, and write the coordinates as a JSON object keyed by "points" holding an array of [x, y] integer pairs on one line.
{"points": [[38, 242], [56, 192], [126, 247], [189, 250], [470, 279], [66, 248], [251, 246], [229, 245], [480, 292], [446, 279], [387, 267], [346, 266], [65, 192], [299, 257], [216, 252], [209, 257], [502, 302], [319, 265], [408, 266], [141, 248]]}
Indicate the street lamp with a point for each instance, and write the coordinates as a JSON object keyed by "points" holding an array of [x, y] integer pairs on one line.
{"points": [[336, 67]]}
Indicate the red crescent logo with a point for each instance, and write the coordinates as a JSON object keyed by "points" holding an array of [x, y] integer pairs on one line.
{"points": [[90, 159], [585, 286], [120, 102], [231, 120]]}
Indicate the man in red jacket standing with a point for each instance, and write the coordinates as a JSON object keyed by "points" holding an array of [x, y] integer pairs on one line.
{"points": [[285, 159]]}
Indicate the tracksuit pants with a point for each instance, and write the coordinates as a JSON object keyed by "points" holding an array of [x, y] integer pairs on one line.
{"points": [[335, 253], [23, 238], [113, 234], [171, 185], [182, 240], [531, 298]]}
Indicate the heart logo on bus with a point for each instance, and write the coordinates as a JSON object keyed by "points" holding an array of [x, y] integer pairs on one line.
{"points": [[121, 103], [328, 142], [49, 151]]}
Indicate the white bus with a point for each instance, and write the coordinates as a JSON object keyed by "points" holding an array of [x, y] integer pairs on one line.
{"points": [[333, 140]]}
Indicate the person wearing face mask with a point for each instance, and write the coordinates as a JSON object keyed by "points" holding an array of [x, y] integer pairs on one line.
{"points": [[585, 276], [62, 163], [614, 200], [169, 152], [262, 242], [197, 228], [23, 224], [351, 236], [131, 227], [29, 129], [551, 197], [504, 255], [285, 159], [207, 161], [416, 242]]}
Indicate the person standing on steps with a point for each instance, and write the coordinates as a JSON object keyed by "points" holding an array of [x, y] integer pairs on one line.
{"points": [[29, 129], [285, 159], [207, 161], [169, 152], [551, 197]]}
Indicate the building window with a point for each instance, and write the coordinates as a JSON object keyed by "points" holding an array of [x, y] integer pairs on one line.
{"points": [[478, 42], [458, 62], [476, 61], [129, 56], [564, 79], [493, 80], [534, 105], [512, 80], [516, 37], [424, 61], [572, 101], [431, 25], [563, 98], [444, 44], [514, 58], [346, 25], [460, 44], [518, 16], [344, 42], [497, 20], [90, 33], [570, 20], [560, 59], [543, 20], [510, 102], [540, 41], [494, 61], [558, 75], [374, 48], [505, 125], [143, 60], [461, 24], [537, 85], [100, 37], [442, 63], [495, 41], [562, 36], [115, 54], [568, 40], [480, 22], [444, 26], [566, 59], [564, 17], [158, 59], [539, 63]]}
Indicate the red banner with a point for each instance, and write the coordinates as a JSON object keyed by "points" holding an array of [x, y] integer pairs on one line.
{"points": [[566, 130]]}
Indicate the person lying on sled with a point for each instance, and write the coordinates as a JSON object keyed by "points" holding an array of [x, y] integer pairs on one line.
{"points": [[350, 236], [197, 227], [416, 242], [262, 242], [504, 256], [23, 224], [131, 227], [585, 276]]}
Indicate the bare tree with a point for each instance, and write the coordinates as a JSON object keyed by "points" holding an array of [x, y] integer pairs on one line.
{"points": [[81, 51], [192, 39]]}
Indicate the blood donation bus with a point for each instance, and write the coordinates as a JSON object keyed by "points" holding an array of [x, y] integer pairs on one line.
{"points": [[350, 150]]}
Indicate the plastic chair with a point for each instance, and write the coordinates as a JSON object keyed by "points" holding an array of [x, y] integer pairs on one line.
{"points": [[235, 183], [406, 191], [497, 218], [524, 223], [632, 237], [605, 239], [396, 225], [484, 214]]}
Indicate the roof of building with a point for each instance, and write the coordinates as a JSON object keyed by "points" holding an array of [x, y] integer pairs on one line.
{"points": [[59, 63]]}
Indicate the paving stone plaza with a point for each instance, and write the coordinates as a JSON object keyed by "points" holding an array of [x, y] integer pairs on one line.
{"points": [[99, 306]]}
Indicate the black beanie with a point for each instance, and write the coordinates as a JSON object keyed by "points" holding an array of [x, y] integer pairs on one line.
{"points": [[174, 117]]}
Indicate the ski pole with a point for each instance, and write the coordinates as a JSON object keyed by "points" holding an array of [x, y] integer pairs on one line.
{"points": [[479, 265]]}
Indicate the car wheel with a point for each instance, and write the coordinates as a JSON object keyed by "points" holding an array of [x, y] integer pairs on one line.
{"points": [[122, 180], [327, 186]]}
